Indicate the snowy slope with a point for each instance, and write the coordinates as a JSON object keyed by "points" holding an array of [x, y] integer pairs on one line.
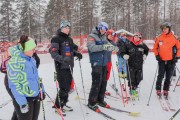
{"points": [[46, 71]]}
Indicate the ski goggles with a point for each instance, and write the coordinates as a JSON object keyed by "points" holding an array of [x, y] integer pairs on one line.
{"points": [[104, 28], [65, 24], [138, 35]]}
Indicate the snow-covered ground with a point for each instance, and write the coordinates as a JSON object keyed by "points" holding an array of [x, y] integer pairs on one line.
{"points": [[46, 71]]}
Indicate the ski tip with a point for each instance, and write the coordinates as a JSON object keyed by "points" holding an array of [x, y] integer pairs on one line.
{"points": [[98, 110], [134, 114]]}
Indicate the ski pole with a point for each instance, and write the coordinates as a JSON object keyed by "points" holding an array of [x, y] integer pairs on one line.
{"points": [[77, 91], [122, 96], [125, 83], [152, 85], [178, 69], [126, 90], [83, 85], [58, 110], [172, 74], [129, 77], [174, 115], [176, 84], [57, 88], [41, 95]]}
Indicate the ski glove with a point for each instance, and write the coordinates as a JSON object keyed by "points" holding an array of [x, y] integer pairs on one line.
{"points": [[79, 55], [144, 57], [175, 60], [66, 60], [109, 47], [24, 108], [126, 56], [158, 58]]}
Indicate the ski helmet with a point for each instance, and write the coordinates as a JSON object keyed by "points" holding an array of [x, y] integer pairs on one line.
{"points": [[65, 23], [102, 26], [138, 34], [166, 25]]}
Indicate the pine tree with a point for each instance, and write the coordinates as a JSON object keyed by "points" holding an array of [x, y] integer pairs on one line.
{"points": [[7, 22]]}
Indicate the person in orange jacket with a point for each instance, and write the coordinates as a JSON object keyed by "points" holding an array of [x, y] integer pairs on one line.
{"points": [[163, 50]]}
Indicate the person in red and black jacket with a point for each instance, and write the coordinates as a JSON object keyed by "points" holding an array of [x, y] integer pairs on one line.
{"points": [[135, 52], [63, 50]]}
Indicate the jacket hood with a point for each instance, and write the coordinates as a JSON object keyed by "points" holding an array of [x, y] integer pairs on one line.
{"points": [[15, 50]]}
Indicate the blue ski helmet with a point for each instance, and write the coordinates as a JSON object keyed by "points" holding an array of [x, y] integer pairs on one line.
{"points": [[102, 26]]}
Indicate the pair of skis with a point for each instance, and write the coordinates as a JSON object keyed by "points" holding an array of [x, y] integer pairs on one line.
{"points": [[166, 103], [117, 110]]}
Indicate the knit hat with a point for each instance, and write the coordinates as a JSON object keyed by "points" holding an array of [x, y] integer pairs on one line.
{"points": [[29, 45]]}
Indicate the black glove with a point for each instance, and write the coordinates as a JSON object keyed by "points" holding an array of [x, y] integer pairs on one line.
{"points": [[158, 58], [42, 97], [175, 60], [66, 60], [79, 55]]}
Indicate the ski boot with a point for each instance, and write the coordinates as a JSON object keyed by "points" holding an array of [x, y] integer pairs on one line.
{"points": [[67, 108], [134, 94], [165, 92], [94, 108], [107, 93], [122, 75], [103, 104], [158, 92]]}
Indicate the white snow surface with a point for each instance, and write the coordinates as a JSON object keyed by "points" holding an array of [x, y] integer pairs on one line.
{"points": [[151, 112]]}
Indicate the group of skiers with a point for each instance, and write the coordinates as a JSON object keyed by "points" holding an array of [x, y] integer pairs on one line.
{"points": [[21, 74]]}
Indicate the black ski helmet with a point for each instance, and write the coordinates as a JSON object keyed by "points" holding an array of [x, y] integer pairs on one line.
{"points": [[166, 25]]}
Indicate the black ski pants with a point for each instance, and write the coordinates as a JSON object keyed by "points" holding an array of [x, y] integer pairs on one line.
{"points": [[33, 102], [136, 75], [64, 78], [34, 108], [99, 84], [168, 68]]}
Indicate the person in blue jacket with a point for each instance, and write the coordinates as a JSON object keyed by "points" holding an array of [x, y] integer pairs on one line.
{"points": [[98, 47], [23, 79]]}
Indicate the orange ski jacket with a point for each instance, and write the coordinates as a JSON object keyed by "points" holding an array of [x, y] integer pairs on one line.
{"points": [[164, 46]]}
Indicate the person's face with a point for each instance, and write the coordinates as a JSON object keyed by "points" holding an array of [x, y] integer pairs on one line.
{"points": [[102, 32], [66, 30], [124, 36], [165, 30], [110, 37], [136, 38], [30, 52]]}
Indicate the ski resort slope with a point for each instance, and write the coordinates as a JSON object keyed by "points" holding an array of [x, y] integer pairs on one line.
{"points": [[152, 112]]}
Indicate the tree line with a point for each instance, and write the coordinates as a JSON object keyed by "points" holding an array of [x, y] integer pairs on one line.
{"points": [[40, 19]]}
